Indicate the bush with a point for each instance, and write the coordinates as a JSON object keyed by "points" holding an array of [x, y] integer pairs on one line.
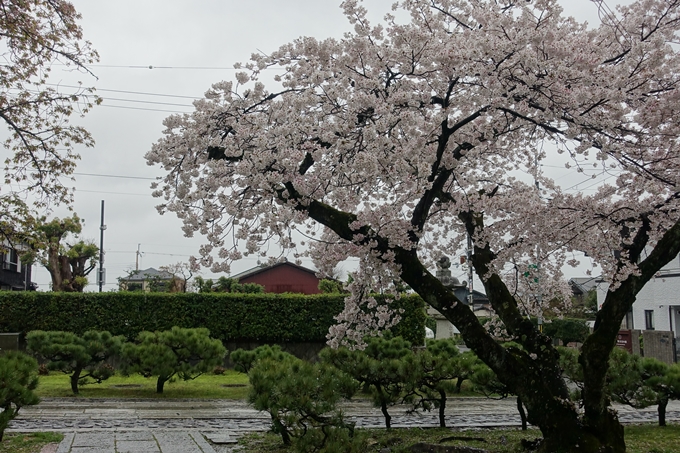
{"points": [[568, 330], [436, 370], [18, 379], [245, 360], [185, 353], [385, 367], [73, 354], [265, 318], [301, 399]]}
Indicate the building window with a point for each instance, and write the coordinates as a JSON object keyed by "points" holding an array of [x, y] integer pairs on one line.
{"points": [[629, 320], [649, 319], [14, 261]]}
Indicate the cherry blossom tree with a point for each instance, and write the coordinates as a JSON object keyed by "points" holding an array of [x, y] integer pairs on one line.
{"points": [[39, 151], [399, 141]]}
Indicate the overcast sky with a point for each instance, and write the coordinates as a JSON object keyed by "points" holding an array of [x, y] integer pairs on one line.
{"points": [[156, 56]]}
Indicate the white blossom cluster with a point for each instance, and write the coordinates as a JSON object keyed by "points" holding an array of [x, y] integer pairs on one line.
{"points": [[406, 137]]}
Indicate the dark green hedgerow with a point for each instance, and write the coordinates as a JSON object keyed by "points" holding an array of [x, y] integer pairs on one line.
{"points": [[268, 318]]}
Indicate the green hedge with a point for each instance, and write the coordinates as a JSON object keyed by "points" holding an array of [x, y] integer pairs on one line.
{"points": [[230, 317]]}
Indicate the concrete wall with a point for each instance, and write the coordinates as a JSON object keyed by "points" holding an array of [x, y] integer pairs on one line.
{"points": [[659, 345]]}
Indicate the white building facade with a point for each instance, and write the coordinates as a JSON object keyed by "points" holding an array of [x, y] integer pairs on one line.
{"points": [[657, 306]]}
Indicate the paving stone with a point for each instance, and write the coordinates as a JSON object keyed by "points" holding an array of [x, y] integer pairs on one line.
{"points": [[182, 442], [98, 440], [92, 450], [134, 435], [220, 437], [201, 442], [65, 444], [137, 446]]}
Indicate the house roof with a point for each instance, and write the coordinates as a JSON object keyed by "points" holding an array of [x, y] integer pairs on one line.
{"points": [[462, 292], [146, 274], [582, 285], [264, 268]]}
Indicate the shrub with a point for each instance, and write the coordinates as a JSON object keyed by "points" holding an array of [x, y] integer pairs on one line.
{"points": [[245, 360], [568, 330], [18, 379], [185, 353], [75, 355], [384, 367], [301, 399], [265, 318], [436, 370]]}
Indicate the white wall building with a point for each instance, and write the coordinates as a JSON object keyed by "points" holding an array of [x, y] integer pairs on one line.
{"points": [[657, 306]]}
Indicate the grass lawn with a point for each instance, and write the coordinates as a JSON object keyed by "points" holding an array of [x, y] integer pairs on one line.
{"points": [[28, 443], [639, 439], [230, 385]]}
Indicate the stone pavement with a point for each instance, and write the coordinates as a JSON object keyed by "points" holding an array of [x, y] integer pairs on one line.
{"points": [[182, 426], [135, 442]]}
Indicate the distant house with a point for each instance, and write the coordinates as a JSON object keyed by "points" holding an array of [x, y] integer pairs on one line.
{"points": [[283, 277], [148, 280], [481, 307], [581, 286], [14, 275], [657, 305]]}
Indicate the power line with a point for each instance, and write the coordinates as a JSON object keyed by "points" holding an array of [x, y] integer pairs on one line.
{"points": [[147, 102], [197, 68], [130, 92], [114, 193], [140, 108], [114, 176]]}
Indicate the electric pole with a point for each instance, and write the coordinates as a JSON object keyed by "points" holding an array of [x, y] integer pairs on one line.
{"points": [[102, 227]]}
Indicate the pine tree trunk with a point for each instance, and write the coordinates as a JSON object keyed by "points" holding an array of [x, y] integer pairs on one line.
{"points": [[442, 409], [388, 417], [279, 428], [459, 384], [160, 383], [75, 377], [522, 414], [663, 403]]}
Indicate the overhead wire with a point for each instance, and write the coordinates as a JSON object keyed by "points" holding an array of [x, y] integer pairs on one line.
{"points": [[129, 92]]}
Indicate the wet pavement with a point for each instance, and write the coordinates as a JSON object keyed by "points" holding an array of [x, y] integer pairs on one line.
{"points": [[212, 426]]}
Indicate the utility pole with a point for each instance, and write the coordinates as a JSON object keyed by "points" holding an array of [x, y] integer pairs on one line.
{"points": [[471, 296], [102, 227], [539, 292], [137, 258]]}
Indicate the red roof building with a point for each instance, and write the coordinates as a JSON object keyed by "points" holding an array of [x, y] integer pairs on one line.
{"points": [[283, 277]]}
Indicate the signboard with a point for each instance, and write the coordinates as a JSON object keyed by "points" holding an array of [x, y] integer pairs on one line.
{"points": [[624, 340]]}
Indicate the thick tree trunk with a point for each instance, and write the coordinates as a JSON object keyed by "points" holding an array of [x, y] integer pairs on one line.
{"points": [[533, 373]]}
